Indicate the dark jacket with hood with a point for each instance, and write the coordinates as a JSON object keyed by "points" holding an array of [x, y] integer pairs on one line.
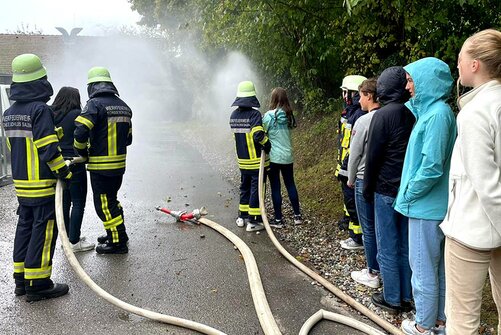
{"points": [[104, 130], [388, 135], [250, 138], [31, 137]]}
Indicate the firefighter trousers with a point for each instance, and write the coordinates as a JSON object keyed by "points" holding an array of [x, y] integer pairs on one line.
{"points": [[34, 244], [108, 208], [249, 196], [354, 228]]}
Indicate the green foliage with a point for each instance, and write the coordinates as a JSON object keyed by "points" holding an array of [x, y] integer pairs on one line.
{"points": [[308, 46]]}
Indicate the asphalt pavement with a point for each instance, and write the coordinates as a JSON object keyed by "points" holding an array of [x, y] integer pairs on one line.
{"points": [[180, 269]]}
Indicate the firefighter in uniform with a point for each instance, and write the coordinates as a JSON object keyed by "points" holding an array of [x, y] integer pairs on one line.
{"points": [[349, 116], [250, 140], [103, 132], [36, 163]]}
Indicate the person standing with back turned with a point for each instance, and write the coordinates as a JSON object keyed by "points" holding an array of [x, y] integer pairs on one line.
{"points": [[36, 163], [472, 225], [103, 132]]}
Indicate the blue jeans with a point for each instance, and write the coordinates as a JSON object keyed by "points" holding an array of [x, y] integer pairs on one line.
{"points": [[392, 250], [365, 211], [426, 250], [287, 171], [74, 198]]}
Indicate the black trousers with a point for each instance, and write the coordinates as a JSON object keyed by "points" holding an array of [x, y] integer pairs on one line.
{"points": [[108, 208], [249, 196], [354, 228], [34, 244]]}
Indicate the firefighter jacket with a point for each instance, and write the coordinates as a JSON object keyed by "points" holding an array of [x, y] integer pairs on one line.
{"points": [[104, 130], [348, 118], [31, 137], [250, 138]]}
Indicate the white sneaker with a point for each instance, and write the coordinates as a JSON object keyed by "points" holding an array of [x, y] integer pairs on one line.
{"points": [[82, 245], [349, 244], [254, 226], [363, 277], [240, 222], [298, 219], [409, 328]]}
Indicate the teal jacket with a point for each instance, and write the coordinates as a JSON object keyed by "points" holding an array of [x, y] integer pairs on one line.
{"points": [[423, 192], [275, 124]]}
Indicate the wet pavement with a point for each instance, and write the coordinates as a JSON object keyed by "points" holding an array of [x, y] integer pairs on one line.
{"points": [[180, 269]]}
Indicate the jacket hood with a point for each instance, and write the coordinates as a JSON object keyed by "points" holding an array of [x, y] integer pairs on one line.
{"points": [[37, 90], [391, 86], [246, 102], [432, 82], [280, 117], [101, 87]]}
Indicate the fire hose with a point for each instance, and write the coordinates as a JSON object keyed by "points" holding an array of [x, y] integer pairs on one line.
{"points": [[201, 328]]}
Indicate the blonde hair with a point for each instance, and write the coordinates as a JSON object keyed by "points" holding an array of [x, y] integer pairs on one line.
{"points": [[486, 47]]}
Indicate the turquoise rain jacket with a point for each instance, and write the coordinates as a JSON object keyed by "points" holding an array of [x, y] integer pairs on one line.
{"points": [[423, 192], [275, 124]]}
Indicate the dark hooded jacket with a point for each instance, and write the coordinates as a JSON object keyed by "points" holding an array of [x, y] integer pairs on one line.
{"points": [[31, 136], [250, 138], [104, 130], [67, 122], [388, 135]]}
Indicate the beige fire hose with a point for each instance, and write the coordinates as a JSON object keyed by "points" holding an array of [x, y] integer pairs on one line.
{"points": [[201, 328], [324, 282]]}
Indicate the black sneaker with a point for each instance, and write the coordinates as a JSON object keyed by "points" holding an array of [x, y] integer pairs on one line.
{"points": [[276, 223], [406, 306], [112, 248], [54, 291], [378, 300], [104, 239]]}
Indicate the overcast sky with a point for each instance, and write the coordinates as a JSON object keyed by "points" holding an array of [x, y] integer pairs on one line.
{"points": [[95, 16]]}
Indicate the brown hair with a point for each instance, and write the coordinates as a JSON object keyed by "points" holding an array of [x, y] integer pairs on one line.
{"points": [[280, 100], [486, 47], [368, 86]]}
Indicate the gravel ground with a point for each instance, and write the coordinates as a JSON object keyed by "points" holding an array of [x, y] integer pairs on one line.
{"points": [[314, 243]]}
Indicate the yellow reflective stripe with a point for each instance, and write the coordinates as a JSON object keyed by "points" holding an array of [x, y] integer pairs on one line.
{"points": [[46, 140], [250, 145], [32, 162], [49, 234], [35, 193], [106, 166], [8, 144], [243, 208], [112, 139], [104, 206], [106, 159], [254, 211], [113, 222], [356, 228], [114, 235], [265, 139], [80, 145], [256, 129], [85, 122], [130, 131], [34, 183], [18, 267], [56, 163], [37, 273]]}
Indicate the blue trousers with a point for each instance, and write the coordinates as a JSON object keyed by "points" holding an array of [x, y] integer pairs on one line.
{"points": [[287, 171]]}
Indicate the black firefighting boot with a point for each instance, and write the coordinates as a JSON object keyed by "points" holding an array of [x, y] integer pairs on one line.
{"points": [[104, 239], [112, 248], [20, 289], [46, 290]]}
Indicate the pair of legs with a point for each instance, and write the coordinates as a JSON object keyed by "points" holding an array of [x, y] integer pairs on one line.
{"points": [[287, 172], [108, 208], [392, 251], [74, 204], [249, 196], [354, 228], [34, 246], [426, 257], [465, 272]]}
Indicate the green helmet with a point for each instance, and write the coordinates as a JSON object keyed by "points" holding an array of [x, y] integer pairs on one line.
{"points": [[27, 67], [97, 74], [352, 82], [246, 89]]}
